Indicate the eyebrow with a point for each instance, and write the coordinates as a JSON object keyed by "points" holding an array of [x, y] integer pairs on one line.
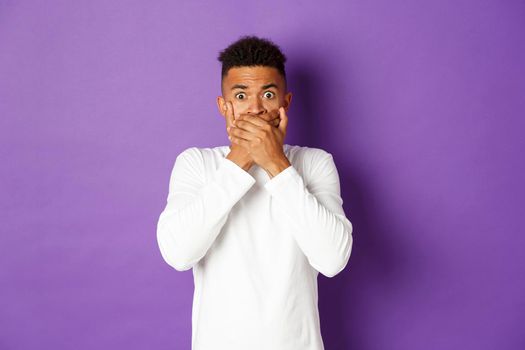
{"points": [[241, 86]]}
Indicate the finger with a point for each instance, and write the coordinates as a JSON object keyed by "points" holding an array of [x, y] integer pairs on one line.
{"points": [[284, 120], [242, 142], [257, 120], [277, 119], [229, 113], [247, 134], [247, 125], [273, 118], [270, 116]]}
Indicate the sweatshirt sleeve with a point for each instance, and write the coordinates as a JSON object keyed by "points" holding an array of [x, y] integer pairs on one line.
{"points": [[196, 211], [321, 228]]}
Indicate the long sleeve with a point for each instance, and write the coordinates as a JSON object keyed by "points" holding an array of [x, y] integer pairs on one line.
{"points": [[321, 228], [196, 211]]}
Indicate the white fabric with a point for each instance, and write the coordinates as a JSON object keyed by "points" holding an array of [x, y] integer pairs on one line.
{"points": [[256, 246]]}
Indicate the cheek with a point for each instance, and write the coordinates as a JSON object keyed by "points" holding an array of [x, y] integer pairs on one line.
{"points": [[272, 104]]}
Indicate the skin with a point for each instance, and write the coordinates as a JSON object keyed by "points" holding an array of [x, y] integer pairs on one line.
{"points": [[255, 116]]}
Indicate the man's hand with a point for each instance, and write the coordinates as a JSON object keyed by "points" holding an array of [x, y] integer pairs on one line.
{"points": [[262, 141], [237, 154]]}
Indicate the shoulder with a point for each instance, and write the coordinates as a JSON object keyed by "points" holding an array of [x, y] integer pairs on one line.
{"points": [[313, 163], [204, 152], [310, 151], [189, 156], [201, 160], [310, 157], [318, 153], [188, 166]]}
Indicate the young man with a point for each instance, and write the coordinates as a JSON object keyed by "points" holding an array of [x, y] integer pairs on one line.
{"points": [[256, 220]]}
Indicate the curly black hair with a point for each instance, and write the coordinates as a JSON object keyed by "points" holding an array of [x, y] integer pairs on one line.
{"points": [[250, 50]]}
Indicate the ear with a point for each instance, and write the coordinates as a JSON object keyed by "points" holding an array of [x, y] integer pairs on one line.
{"points": [[221, 105]]}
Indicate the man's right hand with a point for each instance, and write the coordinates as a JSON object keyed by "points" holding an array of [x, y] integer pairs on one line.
{"points": [[237, 154]]}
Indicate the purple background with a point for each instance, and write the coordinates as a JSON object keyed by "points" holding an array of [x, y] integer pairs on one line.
{"points": [[421, 103]]}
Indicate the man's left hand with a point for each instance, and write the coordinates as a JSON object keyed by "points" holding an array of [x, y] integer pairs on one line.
{"points": [[263, 141]]}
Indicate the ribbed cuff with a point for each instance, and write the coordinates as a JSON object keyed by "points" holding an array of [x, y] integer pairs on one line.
{"points": [[233, 179], [284, 177]]}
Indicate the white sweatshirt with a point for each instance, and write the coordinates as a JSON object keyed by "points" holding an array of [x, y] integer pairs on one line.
{"points": [[256, 246]]}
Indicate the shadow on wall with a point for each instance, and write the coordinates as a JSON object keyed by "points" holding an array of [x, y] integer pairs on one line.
{"points": [[379, 260]]}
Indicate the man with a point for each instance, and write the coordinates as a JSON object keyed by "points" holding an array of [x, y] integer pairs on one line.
{"points": [[256, 220]]}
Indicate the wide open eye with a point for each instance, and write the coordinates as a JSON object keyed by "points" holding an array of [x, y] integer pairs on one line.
{"points": [[269, 94], [240, 94]]}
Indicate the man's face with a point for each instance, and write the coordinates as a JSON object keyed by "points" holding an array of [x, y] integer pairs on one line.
{"points": [[254, 90]]}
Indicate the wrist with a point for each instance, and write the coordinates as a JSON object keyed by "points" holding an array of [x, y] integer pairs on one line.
{"points": [[277, 167], [243, 161]]}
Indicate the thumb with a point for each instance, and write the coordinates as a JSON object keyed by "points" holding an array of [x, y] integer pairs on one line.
{"points": [[229, 113], [284, 120]]}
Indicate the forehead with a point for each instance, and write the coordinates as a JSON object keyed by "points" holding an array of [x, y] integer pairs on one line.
{"points": [[252, 75]]}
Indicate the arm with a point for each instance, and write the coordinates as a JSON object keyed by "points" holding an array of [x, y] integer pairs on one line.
{"points": [[321, 228], [195, 212]]}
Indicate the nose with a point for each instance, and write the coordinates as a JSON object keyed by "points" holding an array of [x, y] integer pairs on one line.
{"points": [[256, 107]]}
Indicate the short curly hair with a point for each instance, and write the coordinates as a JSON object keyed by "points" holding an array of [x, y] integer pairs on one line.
{"points": [[250, 50]]}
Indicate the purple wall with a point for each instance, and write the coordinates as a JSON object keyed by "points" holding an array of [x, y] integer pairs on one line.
{"points": [[421, 103]]}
